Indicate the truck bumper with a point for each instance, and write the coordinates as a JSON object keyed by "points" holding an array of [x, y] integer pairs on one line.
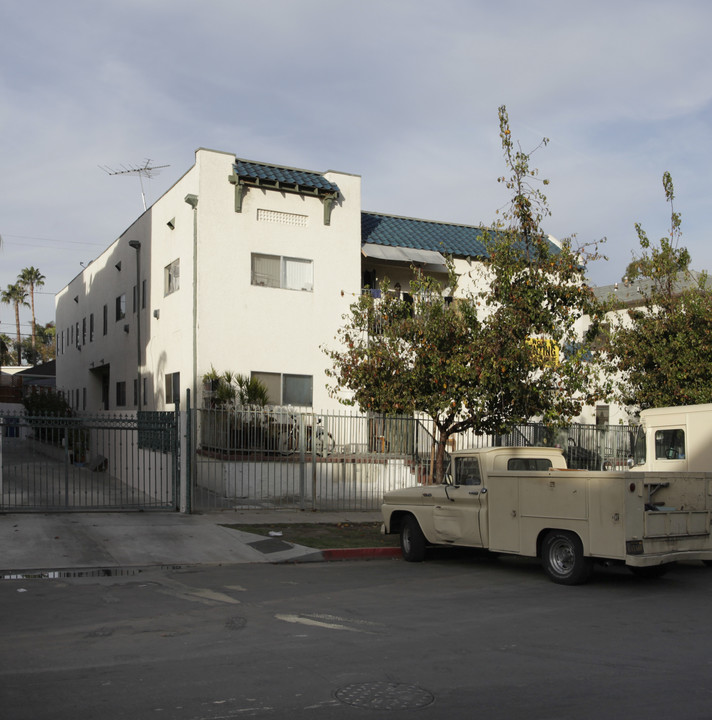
{"points": [[667, 557]]}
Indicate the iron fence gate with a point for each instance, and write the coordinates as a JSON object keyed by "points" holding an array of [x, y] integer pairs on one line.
{"points": [[102, 462]]}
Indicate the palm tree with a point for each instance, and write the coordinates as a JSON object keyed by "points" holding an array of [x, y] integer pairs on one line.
{"points": [[32, 278], [16, 295]]}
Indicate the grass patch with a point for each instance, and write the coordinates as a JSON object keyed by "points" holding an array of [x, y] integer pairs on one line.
{"points": [[323, 536]]}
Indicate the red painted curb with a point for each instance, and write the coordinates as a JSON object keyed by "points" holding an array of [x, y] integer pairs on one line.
{"points": [[360, 553]]}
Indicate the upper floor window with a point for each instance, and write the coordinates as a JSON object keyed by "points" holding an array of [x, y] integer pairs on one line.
{"points": [[106, 319], [91, 327], [172, 277], [121, 307], [282, 272]]}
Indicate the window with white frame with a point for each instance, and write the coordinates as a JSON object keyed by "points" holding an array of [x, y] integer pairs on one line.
{"points": [[282, 272], [287, 389], [172, 277]]}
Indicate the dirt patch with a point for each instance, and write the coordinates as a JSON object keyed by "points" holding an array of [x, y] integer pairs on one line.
{"points": [[325, 535]]}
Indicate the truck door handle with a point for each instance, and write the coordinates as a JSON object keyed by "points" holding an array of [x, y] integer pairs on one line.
{"points": [[474, 492], [427, 494]]}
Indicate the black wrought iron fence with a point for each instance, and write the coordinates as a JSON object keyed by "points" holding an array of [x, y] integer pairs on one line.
{"points": [[284, 457], [92, 462]]}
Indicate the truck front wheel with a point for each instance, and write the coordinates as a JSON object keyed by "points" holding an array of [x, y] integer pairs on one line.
{"points": [[412, 540], [563, 560]]}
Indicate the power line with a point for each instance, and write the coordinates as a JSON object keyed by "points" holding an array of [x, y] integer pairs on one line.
{"points": [[5, 236]]}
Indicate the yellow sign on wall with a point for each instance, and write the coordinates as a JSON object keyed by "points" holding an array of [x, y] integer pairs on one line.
{"points": [[547, 351]]}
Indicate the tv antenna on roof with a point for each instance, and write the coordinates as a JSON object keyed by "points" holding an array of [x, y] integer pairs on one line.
{"points": [[143, 171]]}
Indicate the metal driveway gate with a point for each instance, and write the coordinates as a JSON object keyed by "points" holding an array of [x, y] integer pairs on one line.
{"points": [[101, 462]]}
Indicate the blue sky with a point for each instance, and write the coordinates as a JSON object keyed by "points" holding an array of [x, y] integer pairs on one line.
{"points": [[402, 92]]}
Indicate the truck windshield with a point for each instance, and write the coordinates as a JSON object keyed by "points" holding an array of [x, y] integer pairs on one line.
{"points": [[639, 447]]}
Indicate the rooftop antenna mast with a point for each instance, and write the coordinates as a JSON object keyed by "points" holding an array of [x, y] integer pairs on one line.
{"points": [[143, 171]]}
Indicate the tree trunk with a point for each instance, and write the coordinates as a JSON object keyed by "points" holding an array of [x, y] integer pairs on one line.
{"points": [[440, 456], [34, 334], [19, 338]]}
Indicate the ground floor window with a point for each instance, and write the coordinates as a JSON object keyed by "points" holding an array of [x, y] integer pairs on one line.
{"points": [[121, 394], [172, 388], [287, 389]]}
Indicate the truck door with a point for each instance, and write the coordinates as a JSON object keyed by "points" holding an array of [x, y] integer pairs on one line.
{"points": [[456, 518]]}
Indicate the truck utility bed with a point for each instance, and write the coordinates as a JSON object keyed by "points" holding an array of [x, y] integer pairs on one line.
{"points": [[642, 519]]}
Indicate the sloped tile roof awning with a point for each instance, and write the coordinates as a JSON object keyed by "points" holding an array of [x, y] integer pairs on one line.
{"points": [[465, 241], [439, 237], [284, 178], [247, 174], [427, 259]]}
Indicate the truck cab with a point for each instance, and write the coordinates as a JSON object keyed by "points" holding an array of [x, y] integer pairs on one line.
{"points": [[674, 439]]}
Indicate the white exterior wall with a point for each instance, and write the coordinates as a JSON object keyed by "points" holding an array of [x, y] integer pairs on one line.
{"points": [[240, 327]]}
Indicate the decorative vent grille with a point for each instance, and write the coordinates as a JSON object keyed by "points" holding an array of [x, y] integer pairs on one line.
{"points": [[282, 218]]}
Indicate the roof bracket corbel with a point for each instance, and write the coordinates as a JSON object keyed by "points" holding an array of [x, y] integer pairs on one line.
{"points": [[328, 202], [240, 190]]}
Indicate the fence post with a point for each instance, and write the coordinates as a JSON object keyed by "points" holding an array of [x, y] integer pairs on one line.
{"points": [[188, 460], [302, 458], [313, 449], [2, 432]]}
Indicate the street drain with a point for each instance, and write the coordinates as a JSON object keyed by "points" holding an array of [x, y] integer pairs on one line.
{"points": [[385, 696]]}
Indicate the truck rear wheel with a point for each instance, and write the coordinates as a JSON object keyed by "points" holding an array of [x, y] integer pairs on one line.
{"points": [[412, 540], [563, 560]]}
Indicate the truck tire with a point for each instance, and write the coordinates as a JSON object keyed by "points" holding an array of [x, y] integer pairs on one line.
{"points": [[412, 540], [563, 560]]}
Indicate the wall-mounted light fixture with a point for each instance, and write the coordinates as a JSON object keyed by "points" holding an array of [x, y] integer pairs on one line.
{"points": [[156, 313], [172, 223], [126, 328], [118, 266]]}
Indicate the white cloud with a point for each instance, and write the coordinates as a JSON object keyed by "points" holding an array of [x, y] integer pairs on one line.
{"points": [[404, 93]]}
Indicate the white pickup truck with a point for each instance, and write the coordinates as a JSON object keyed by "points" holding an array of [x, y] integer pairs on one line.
{"points": [[524, 501]]}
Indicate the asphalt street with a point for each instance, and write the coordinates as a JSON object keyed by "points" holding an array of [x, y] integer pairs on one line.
{"points": [[457, 636]]}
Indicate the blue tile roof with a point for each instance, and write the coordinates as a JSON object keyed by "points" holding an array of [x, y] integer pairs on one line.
{"points": [[442, 237], [447, 238], [289, 176]]}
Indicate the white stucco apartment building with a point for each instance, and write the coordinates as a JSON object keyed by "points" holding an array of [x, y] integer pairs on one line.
{"points": [[241, 266]]}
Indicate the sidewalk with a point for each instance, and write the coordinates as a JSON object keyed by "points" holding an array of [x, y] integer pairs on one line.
{"points": [[72, 541]]}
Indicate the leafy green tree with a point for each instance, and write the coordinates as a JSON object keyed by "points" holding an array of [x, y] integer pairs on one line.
{"points": [[663, 347], [16, 295], [497, 356], [32, 278], [5, 354], [45, 348]]}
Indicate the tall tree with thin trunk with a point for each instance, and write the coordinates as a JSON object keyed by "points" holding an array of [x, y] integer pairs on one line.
{"points": [[32, 278], [498, 355], [16, 295]]}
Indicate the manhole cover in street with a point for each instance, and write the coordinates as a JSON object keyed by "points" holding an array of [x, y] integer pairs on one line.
{"points": [[385, 696]]}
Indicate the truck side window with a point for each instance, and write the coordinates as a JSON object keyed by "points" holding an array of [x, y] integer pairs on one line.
{"points": [[528, 464], [467, 471], [670, 444]]}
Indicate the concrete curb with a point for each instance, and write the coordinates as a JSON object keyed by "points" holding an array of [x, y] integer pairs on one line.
{"points": [[336, 554]]}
